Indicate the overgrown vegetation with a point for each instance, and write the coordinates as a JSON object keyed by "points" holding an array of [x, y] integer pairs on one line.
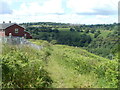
{"points": [[56, 66], [22, 67], [78, 68]]}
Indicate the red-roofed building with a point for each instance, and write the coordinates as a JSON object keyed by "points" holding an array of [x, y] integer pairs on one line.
{"points": [[13, 29]]}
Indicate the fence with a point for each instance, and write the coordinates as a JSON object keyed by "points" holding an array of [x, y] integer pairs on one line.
{"points": [[18, 41]]}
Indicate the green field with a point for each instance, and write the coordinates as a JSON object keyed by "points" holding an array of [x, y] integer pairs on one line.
{"points": [[104, 33]]}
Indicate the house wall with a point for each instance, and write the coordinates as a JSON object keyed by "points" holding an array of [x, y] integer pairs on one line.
{"points": [[2, 33], [28, 36], [11, 30]]}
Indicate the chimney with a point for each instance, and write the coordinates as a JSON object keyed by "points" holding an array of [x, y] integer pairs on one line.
{"points": [[3, 21], [9, 21]]}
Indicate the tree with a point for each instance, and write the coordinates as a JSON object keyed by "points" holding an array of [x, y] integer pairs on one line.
{"points": [[87, 31], [78, 30], [92, 31], [71, 29], [99, 32], [96, 35], [56, 30]]}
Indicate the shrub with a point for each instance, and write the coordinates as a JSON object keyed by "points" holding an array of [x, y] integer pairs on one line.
{"points": [[20, 70]]}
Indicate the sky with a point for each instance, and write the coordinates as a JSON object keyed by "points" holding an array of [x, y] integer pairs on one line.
{"points": [[64, 11]]}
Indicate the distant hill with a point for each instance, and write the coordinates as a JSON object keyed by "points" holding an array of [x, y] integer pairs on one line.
{"points": [[100, 39]]}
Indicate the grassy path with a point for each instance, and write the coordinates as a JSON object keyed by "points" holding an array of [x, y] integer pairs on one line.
{"points": [[73, 67], [65, 77], [60, 75]]}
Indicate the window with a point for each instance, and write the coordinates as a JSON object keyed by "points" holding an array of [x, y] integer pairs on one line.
{"points": [[16, 30]]}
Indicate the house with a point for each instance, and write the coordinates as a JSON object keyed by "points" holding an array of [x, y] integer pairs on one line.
{"points": [[13, 29]]}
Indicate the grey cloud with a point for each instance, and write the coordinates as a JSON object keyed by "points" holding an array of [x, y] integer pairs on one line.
{"points": [[58, 13], [5, 8], [100, 11]]}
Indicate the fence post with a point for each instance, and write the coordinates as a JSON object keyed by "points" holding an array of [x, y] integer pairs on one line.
{"points": [[10, 38]]}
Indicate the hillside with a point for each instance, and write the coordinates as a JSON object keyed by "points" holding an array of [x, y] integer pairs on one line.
{"points": [[56, 66], [99, 39]]}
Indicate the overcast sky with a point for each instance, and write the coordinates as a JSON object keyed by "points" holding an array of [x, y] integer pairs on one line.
{"points": [[66, 11]]}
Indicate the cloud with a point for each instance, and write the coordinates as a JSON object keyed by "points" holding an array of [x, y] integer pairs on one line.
{"points": [[66, 11], [48, 7], [99, 11], [93, 7], [65, 18], [5, 8]]}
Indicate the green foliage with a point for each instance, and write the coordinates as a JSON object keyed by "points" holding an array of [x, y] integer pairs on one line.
{"points": [[100, 39], [92, 31], [53, 42], [105, 44], [71, 62], [85, 64], [87, 31], [87, 36], [109, 72], [56, 30], [71, 29], [22, 67], [56, 66], [96, 35]]}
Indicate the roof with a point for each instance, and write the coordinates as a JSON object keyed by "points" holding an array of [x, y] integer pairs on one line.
{"points": [[6, 25]]}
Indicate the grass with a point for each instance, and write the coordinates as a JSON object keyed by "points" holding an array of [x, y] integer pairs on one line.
{"points": [[64, 29]]}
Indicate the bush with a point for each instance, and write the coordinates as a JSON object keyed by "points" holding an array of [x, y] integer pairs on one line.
{"points": [[96, 35], [20, 70], [109, 72], [53, 42]]}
